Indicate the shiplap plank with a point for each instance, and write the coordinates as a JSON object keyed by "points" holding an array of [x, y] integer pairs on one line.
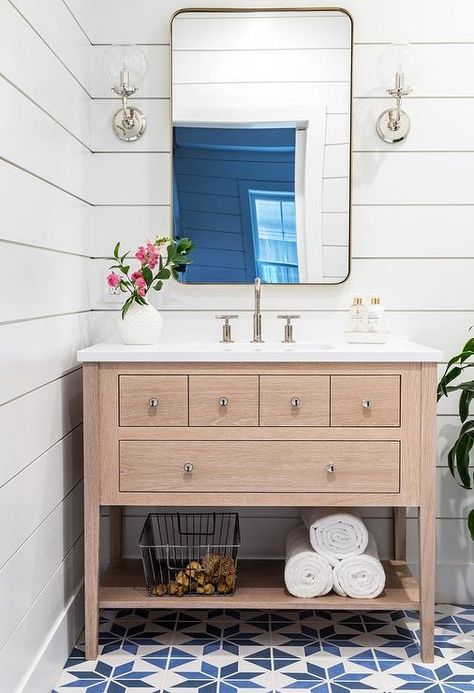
{"points": [[51, 219], [139, 179], [39, 73], [244, 66], [31, 424], [36, 352], [56, 278], [44, 147], [336, 161], [335, 95], [389, 177], [240, 31], [131, 225], [413, 231], [39, 624], [58, 28], [424, 20], [56, 472], [23, 578]]}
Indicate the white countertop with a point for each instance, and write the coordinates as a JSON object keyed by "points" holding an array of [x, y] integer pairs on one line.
{"points": [[327, 352]]}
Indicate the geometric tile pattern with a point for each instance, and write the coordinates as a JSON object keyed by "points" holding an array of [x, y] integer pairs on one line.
{"points": [[231, 651]]}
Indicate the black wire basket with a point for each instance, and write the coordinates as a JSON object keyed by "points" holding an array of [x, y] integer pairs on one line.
{"points": [[190, 553]]}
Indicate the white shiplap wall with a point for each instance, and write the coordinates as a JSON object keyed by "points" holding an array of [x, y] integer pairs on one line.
{"points": [[44, 318], [413, 216]]}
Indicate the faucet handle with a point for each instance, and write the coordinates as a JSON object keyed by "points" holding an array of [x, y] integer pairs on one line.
{"points": [[288, 338], [226, 327]]}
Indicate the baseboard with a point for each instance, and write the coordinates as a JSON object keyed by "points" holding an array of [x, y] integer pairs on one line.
{"points": [[62, 637]]}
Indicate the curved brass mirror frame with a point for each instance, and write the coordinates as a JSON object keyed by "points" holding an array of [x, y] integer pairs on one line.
{"points": [[250, 10]]}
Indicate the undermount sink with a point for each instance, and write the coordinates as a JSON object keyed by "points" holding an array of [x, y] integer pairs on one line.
{"points": [[269, 347]]}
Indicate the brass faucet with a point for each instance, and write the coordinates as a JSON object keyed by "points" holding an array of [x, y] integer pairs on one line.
{"points": [[257, 316]]}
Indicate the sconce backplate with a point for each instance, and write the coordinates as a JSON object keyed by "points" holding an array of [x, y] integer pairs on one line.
{"points": [[386, 133], [129, 125]]}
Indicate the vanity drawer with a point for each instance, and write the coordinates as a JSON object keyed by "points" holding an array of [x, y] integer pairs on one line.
{"points": [[260, 466], [294, 400], [223, 400], [365, 400], [153, 400]]}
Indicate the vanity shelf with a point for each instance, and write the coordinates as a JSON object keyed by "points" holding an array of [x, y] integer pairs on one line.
{"points": [[260, 586]]}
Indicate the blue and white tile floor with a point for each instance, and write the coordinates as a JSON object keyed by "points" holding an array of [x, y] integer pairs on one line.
{"points": [[233, 652]]}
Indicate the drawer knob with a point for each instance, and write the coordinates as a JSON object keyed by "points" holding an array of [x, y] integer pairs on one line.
{"points": [[295, 401], [153, 402], [330, 468], [366, 403], [223, 401], [188, 466]]}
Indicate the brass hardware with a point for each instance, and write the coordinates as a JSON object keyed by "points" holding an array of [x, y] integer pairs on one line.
{"points": [[295, 401], [366, 403], [330, 468], [153, 402], [226, 327], [223, 401], [288, 336], [188, 466]]}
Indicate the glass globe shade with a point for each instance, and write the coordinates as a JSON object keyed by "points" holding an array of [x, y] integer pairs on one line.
{"points": [[398, 57], [128, 58]]}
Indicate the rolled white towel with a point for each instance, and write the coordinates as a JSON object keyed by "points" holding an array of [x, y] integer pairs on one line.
{"points": [[306, 573], [360, 576], [335, 535]]}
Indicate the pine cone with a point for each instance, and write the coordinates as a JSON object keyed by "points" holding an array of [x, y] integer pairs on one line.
{"points": [[211, 564], [160, 590], [226, 567]]}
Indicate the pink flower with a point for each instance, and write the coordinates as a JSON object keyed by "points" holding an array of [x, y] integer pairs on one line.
{"points": [[113, 279], [140, 283], [136, 275], [153, 253], [141, 255]]}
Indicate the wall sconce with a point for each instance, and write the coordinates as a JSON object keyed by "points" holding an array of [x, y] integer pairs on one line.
{"points": [[393, 125], [126, 65]]}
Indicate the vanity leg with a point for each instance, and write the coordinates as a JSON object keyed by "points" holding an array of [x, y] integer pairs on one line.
{"points": [[400, 533], [91, 509], [115, 532], [427, 511]]}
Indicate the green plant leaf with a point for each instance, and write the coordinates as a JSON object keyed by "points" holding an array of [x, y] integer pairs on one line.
{"points": [[163, 274], [447, 378], [463, 448], [464, 404], [116, 250], [171, 252], [158, 285], [470, 523], [126, 306], [147, 275]]}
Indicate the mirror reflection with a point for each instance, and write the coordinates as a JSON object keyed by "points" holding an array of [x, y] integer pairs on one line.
{"points": [[261, 144]]}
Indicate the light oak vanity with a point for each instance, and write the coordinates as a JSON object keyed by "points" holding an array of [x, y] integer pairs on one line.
{"points": [[350, 426]]}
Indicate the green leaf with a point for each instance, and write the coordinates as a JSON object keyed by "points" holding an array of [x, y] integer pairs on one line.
{"points": [[447, 378], [163, 274], [116, 250], [147, 275], [170, 251], [470, 523], [464, 404], [463, 448], [158, 286], [126, 306]]}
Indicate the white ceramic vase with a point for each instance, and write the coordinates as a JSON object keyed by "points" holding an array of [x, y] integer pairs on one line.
{"points": [[141, 325]]}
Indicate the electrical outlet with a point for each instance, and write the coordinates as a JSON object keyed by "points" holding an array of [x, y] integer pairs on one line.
{"points": [[111, 294]]}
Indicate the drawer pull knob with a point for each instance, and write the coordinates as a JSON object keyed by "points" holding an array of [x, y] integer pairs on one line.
{"points": [[330, 468], [295, 401], [188, 466], [153, 402], [366, 403], [223, 401]]}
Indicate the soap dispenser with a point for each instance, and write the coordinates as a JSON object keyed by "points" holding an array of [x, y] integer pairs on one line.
{"points": [[357, 315], [375, 316]]}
